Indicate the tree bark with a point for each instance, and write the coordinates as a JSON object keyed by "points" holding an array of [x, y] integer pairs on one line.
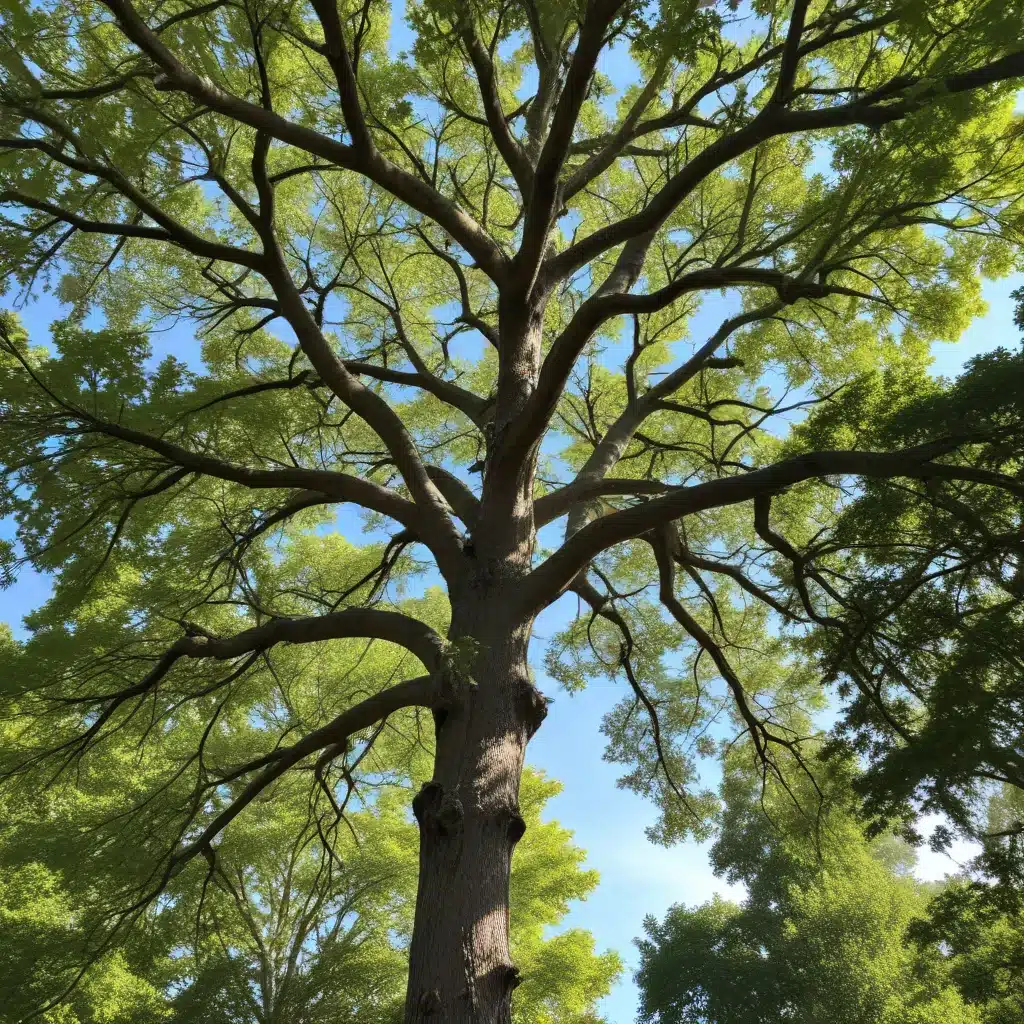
{"points": [[460, 968]]}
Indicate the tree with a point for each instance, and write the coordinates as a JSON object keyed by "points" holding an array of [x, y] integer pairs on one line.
{"points": [[977, 920], [287, 941], [820, 937], [297, 922], [448, 290], [984, 946]]}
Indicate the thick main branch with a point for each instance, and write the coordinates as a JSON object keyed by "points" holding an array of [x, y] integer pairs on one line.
{"points": [[550, 579]]}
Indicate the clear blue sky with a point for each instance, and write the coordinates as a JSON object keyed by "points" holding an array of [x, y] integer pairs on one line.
{"points": [[637, 877]]}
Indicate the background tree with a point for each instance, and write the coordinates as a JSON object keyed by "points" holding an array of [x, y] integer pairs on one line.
{"points": [[977, 921], [820, 936], [299, 920], [448, 290], [984, 947]]}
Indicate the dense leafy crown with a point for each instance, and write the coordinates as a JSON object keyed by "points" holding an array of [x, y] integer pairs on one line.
{"points": [[464, 290], [822, 933]]}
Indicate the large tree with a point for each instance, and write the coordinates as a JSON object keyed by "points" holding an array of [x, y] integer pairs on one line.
{"points": [[450, 288]]}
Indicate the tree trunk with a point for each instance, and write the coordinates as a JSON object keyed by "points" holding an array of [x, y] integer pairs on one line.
{"points": [[460, 969]]}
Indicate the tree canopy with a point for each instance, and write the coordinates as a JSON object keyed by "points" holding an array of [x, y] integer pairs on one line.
{"points": [[834, 928], [463, 289]]}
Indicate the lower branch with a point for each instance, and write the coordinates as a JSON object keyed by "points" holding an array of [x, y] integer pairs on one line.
{"points": [[423, 691], [418, 638]]}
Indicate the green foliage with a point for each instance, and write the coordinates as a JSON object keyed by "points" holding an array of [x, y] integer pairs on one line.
{"points": [[40, 938], [927, 645], [820, 935], [983, 946], [457, 290], [294, 922], [902, 219], [984, 952]]}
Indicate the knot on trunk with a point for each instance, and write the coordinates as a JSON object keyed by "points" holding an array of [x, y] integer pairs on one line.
{"points": [[437, 811], [513, 977], [532, 706], [516, 827], [430, 1003]]}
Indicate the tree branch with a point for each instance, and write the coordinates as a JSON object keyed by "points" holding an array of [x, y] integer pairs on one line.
{"points": [[545, 197], [433, 522], [423, 691], [340, 487], [874, 109], [600, 307], [676, 608], [508, 146], [551, 577], [402, 184]]}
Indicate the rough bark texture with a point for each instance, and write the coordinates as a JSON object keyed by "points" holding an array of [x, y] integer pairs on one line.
{"points": [[460, 967]]}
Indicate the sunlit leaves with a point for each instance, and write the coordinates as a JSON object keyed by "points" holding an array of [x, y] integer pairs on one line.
{"points": [[820, 934]]}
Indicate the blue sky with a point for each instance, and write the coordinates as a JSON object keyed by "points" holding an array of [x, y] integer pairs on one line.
{"points": [[637, 877]]}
